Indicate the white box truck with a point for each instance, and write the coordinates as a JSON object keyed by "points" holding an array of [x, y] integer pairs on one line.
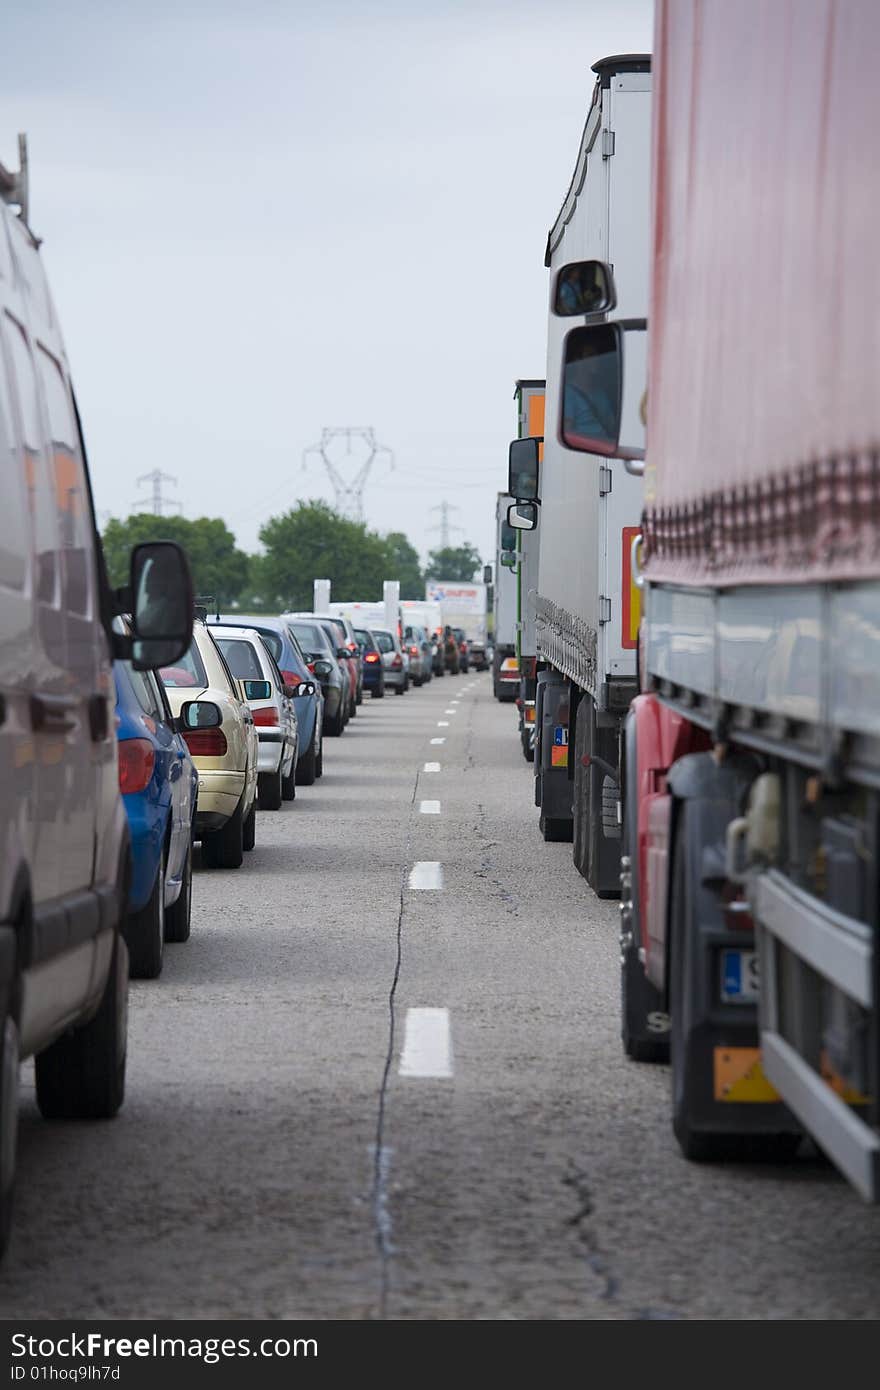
{"points": [[463, 606], [586, 607]]}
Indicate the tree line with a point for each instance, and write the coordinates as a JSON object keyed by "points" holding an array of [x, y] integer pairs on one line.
{"points": [[311, 541]]}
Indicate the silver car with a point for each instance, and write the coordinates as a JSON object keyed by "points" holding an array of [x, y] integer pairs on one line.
{"points": [[394, 659], [271, 701]]}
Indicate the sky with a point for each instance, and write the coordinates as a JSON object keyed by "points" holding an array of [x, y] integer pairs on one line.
{"points": [[265, 220]]}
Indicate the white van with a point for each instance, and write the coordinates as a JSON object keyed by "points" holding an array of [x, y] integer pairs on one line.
{"points": [[65, 853]]}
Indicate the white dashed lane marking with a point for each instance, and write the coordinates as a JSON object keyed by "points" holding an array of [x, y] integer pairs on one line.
{"points": [[438, 740], [442, 723], [426, 874], [431, 767], [427, 1044], [429, 808]]}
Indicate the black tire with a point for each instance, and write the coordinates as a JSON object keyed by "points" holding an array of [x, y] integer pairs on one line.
{"points": [[696, 1144], [528, 750], [224, 848], [82, 1075], [644, 1022], [144, 932], [269, 793], [178, 915], [379, 692], [306, 769], [9, 1067], [352, 713], [288, 783], [334, 725], [249, 827], [319, 760]]}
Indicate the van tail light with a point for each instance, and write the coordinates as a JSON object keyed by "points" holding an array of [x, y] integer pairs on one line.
{"points": [[292, 677], [137, 758], [397, 662], [371, 656], [414, 651], [206, 743], [267, 717]]}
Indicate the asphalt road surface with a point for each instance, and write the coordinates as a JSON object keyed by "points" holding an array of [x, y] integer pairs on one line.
{"points": [[384, 1079]]}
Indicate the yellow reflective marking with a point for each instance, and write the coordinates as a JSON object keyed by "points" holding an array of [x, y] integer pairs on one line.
{"points": [[739, 1076]]}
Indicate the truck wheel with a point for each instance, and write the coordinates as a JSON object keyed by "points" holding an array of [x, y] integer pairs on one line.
{"points": [[528, 750], [178, 915], [596, 851], [306, 770], [82, 1075], [144, 932], [270, 793], [224, 848], [644, 1023]]}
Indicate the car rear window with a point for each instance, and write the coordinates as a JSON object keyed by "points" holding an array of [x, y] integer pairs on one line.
{"points": [[365, 638], [311, 637], [241, 658], [384, 641], [188, 672], [272, 639]]}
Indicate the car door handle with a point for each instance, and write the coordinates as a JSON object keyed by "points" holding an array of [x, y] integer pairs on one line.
{"points": [[53, 713]]}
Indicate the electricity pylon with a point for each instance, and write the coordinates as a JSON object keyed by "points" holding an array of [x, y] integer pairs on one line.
{"points": [[349, 492]]}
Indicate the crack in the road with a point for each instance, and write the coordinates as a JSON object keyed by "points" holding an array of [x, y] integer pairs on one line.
{"points": [[576, 1179], [485, 871], [382, 1155]]}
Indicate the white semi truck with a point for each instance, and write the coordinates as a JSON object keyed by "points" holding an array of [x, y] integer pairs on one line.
{"points": [[530, 397], [586, 605], [505, 663]]}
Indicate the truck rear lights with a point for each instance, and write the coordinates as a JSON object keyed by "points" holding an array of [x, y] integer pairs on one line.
{"points": [[509, 669], [267, 717], [137, 758], [206, 743]]}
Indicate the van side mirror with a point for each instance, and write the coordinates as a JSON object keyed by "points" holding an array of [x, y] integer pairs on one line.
{"points": [[523, 516], [522, 469], [161, 605], [594, 402], [584, 287]]}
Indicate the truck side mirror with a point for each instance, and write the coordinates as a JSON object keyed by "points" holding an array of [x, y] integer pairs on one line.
{"points": [[594, 402], [523, 516], [508, 559], [522, 469], [584, 287], [162, 605], [508, 536], [487, 574]]}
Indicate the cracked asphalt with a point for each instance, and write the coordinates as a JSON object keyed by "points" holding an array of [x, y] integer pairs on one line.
{"points": [[271, 1161]]}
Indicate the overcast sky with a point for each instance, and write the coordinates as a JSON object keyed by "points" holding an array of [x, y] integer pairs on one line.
{"points": [[264, 219]]}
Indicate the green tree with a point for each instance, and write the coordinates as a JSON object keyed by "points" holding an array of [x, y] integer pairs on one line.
{"points": [[403, 564], [459, 562], [311, 542], [219, 568]]}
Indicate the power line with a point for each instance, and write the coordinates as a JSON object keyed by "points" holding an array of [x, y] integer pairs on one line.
{"points": [[157, 502], [349, 492]]}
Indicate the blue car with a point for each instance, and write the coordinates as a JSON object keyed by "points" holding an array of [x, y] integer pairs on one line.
{"points": [[291, 661], [159, 785]]}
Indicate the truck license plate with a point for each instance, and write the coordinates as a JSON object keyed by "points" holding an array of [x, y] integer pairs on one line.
{"points": [[739, 977]]}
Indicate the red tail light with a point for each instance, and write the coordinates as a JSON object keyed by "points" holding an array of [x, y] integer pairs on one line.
{"points": [[311, 666], [371, 656], [396, 662], [206, 743], [292, 677], [413, 651], [266, 717], [137, 758]]}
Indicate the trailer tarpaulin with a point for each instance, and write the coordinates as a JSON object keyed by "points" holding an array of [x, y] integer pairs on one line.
{"points": [[764, 354]]}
